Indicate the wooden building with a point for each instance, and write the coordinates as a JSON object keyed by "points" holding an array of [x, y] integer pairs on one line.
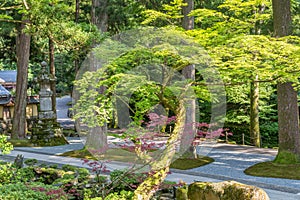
{"points": [[7, 86], [8, 79]]}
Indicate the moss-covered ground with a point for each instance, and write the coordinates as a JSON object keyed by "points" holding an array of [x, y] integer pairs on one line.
{"points": [[275, 170], [184, 162], [21, 142]]}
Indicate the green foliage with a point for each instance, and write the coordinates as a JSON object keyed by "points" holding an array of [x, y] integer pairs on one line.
{"points": [[5, 146], [36, 191], [24, 175], [122, 195], [48, 20], [69, 168], [169, 16], [207, 18], [126, 180], [124, 15], [122, 75], [244, 57], [31, 162], [238, 108], [6, 173]]}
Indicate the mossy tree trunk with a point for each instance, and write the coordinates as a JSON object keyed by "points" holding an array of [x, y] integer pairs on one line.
{"points": [[254, 91], [160, 167], [189, 73], [23, 51], [288, 124], [254, 113], [52, 72], [288, 114]]}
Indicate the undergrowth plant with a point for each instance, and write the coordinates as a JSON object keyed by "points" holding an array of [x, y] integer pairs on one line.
{"points": [[5, 146]]}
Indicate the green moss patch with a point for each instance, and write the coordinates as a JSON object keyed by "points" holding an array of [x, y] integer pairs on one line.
{"points": [[21, 142], [275, 170], [123, 155], [81, 153], [190, 163], [285, 157]]}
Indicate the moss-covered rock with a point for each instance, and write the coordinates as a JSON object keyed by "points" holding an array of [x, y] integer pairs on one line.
{"points": [[47, 132], [181, 193], [227, 190], [49, 175]]}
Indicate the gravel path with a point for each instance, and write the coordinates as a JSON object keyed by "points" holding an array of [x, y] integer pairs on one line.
{"points": [[232, 160], [62, 112]]}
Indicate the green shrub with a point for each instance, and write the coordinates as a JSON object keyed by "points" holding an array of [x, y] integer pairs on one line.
{"points": [[83, 174], [48, 175], [5, 147], [36, 191], [31, 162], [69, 168], [11, 174], [24, 175], [122, 180], [123, 195], [6, 173], [67, 178]]}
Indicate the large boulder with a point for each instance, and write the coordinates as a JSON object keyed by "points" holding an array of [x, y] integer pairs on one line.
{"points": [[227, 190]]}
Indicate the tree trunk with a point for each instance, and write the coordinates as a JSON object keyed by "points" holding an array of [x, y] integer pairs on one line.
{"points": [[282, 18], [189, 73], [254, 113], [254, 94], [22, 52], [52, 72], [288, 114], [97, 136], [77, 13], [159, 167], [188, 22], [99, 15], [99, 18], [77, 10], [288, 124]]}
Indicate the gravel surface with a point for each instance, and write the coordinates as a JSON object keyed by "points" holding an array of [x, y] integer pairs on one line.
{"points": [[62, 107], [230, 164]]}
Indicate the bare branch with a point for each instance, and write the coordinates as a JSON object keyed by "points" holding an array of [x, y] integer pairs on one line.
{"points": [[25, 4], [9, 8], [12, 21]]}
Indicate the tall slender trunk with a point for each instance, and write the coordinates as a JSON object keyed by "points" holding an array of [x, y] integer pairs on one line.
{"points": [[254, 113], [189, 73], [52, 72], [77, 11], [22, 52], [254, 92], [288, 114]]}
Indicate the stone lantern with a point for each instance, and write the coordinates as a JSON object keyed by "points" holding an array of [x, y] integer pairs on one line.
{"points": [[47, 131], [45, 80]]}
